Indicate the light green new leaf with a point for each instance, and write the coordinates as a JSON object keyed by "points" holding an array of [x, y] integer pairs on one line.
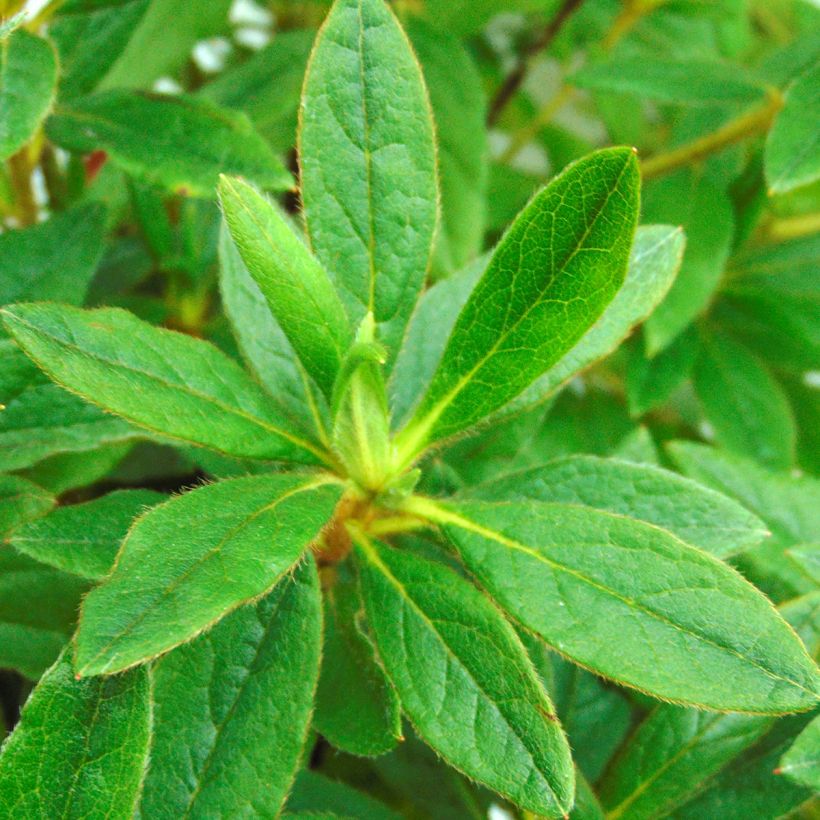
{"points": [[21, 501], [298, 291], [188, 562], [356, 707], [627, 600], [548, 281], [792, 157], [175, 142], [464, 679], [164, 381], [746, 406], [368, 163], [459, 109], [80, 748], [681, 82], [695, 514], [28, 78], [83, 539], [54, 260], [38, 612], [44, 420], [232, 708], [807, 557], [802, 762]]}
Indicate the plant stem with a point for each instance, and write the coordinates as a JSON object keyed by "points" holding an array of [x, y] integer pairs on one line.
{"points": [[626, 20], [523, 136], [20, 168], [513, 82], [792, 227], [755, 121]]}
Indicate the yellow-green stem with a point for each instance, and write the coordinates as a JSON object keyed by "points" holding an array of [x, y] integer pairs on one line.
{"points": [[20, 169], [791, 227]]}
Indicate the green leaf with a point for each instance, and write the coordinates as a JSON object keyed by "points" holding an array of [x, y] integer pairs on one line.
{"points": [[803, 614], [808, 558], [232, 708], [697, 515], [313, 792], [745, 405], [298, 291], [791, 159], [28, 78], [706, 215], [38, 611], [232, 542], [459, 109], [356, 707], [175, 142], [83, 539], [21, 501], [368, 163], [90, 36], [625, 599], [548, 281], [267, 87], [39, 263], [680, 82], [44, 420], [464, 678], [164, 381], [802, 762], [80, 748]]}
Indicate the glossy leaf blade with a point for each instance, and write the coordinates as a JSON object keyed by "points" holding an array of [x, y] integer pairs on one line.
{"points": [[28, 78], [548, 281], [368, 163], [80, 749], [232, 708], [464, 679], [232, 541], [165, 381], [695, 514], [298, 291], [175, 142], [83, 539], [551, 565]]}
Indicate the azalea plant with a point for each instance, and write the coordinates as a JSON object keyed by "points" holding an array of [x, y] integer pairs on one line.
{"points": [[437, 470]]}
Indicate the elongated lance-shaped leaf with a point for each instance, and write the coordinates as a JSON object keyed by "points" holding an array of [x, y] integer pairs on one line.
{"points": [[188, 562], [698, 515], [28, 80], [297, 289], [368, 165], [232, 708], [464, 678], [633, 603], [549, 280], [164, 381], [80, 748]]}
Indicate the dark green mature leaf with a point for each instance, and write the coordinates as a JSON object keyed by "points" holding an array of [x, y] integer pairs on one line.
{"points": [[54, 260], [298, 291], [232, 541], [38, 611], [367, 159], [706, 215], [459, 110], [165, 381], [71, 471], [464, 678], [267, 87], [682, 82], [21, 501], [552, 565], [44, 420], [28, 78], [746, 406], [17, 371], [83, 539], [792, 156], [587, 806], [357, 709], [548, 281], [80, 749], [695, 514], [802, 762], [313, 792], [232, 708], [90, 36], [176, 142]]}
